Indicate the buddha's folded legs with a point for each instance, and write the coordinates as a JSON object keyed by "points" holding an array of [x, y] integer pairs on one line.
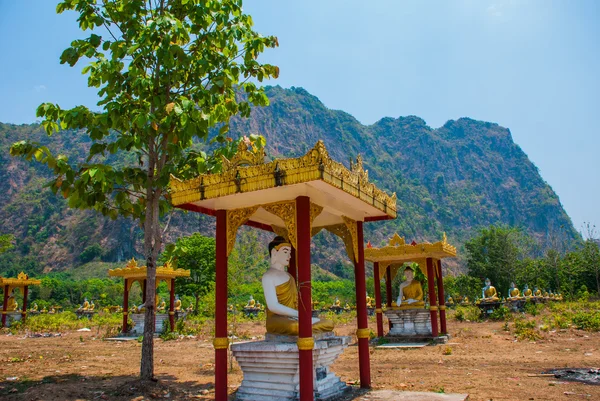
{"points": [[284, 325]]}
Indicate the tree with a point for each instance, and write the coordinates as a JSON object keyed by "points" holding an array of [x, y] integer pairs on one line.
{"points": [[196, 253], [495, 253], [168, 71], [6, 242]]}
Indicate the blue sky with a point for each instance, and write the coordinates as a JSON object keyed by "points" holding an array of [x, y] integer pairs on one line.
{"points": [[531, 66]]}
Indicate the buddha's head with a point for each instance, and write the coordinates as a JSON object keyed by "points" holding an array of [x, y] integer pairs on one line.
{"points": [[409, 274], [512, 285], [526, 287], [487, 282], [280, 251], [251, 297]]}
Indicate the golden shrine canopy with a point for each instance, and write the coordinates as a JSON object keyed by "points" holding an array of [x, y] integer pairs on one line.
{"points": [[133, 271], [399, 252], [248, 182], [22, 280]]}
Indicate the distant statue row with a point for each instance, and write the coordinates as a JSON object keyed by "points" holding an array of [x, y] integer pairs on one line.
{"points": [[489, 293]]}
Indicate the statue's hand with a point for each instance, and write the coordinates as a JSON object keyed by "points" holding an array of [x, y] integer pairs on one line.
{"points": [[315, 320], [411, 301]]}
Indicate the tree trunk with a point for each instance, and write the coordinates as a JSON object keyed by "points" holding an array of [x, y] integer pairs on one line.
{"points": [[197, 302]]}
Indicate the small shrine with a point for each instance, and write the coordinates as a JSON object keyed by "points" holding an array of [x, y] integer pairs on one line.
{"points": [[409, 317], [10, 307], [295, 199], [132, 273]]}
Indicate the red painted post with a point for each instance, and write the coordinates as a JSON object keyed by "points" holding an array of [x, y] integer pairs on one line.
{"points": [[292, 266], [24, 310], [305, 338], [378, 310], [388, 291], [172, 306], [361, 311], [441, 297], [4, 305], [221, 342], [432, 297], [125, 306]]}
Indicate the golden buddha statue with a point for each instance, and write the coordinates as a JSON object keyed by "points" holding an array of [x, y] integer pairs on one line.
{"points": [[44, 310], [489, 293], [231, 307], [537, 292], [86, 305], [92, 306], [527, 291], [369, 300], [190, 308], [513, 292], [411, 292], [34, 308], [337, 303], [162, 307], [177, 305], [12, 304], [450, 301], [465, 301], [52, 311], [347, 307], [251, 303], [281, 294]]}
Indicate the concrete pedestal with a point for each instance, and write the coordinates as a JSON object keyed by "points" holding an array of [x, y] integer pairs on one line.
{"points": [[409, 322], [271, 368], [138, 320], [12, 317]]}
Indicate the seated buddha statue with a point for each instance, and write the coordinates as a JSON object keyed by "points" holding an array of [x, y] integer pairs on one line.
{"points": [[337, 303], [527, 291], [44, 310], [559, 297], [86, 305], [489, 293], [369, 300], [52, 311], [92, 306], [177, 305], [537, 292], [251, 303], [450, 301], [513, 292], [281, 294], [34, 308], [190, 308], [162, 306], [347, 307], [12, 304], [411, 292], [465, 301], [231, 307]]}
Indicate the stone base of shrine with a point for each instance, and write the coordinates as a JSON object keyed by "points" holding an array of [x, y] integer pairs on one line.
{"points": [[12, 317], [409, 322], [138, 320], [271, 368]]}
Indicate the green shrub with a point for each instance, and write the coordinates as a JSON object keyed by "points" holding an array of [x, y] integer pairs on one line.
{"points": [[467, 313], [587, 321], [500, 313], [532, 308]]}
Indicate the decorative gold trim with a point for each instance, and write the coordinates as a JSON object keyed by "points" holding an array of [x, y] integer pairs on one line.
{"points": [[125, 313], [286, 211], [22, 280], [248, 172], [315, 211], [221, 342], [433, 308], [235, 218], [363, 333], [378, 310], [305, 343], [132, 273], [172, 313], [353, 230], [341, 230], [442, 307]]}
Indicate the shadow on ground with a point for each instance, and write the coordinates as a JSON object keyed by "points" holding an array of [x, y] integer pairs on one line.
{"points": [[76, 387]]}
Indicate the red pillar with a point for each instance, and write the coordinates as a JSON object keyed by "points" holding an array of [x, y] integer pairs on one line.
{"points": [[361, 311], [221, 342], [25, 294], [125, 306], [4, 305], [388, 290], [292, 266], [378, 309], [441, 297], [432, 297], [305, 338], [172, 305]]}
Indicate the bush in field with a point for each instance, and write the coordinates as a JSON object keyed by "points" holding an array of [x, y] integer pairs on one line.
{"points": [[525, 330], [587, 320], [533, 309], [501, 313], [467, 313]]}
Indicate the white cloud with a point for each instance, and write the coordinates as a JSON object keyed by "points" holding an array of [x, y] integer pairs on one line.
{"points": [[39, 88], [495, 10]]}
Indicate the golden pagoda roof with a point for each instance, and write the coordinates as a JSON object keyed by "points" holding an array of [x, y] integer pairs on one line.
{"points": [[132, 270], [247, 181], [21, 281], [398, 252]]}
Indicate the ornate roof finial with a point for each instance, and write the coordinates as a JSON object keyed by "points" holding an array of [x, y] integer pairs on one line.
{"points": [[132, 264], [397, 240]]}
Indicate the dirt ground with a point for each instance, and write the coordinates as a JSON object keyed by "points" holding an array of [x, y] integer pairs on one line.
{"points": [[481, 359]]}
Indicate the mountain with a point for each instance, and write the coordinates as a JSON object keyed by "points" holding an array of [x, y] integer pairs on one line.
{"points": [[462, 176]]}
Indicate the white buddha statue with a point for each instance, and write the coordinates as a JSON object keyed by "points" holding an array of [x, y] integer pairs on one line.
{"points": [[410, 294], [281, 294]]}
